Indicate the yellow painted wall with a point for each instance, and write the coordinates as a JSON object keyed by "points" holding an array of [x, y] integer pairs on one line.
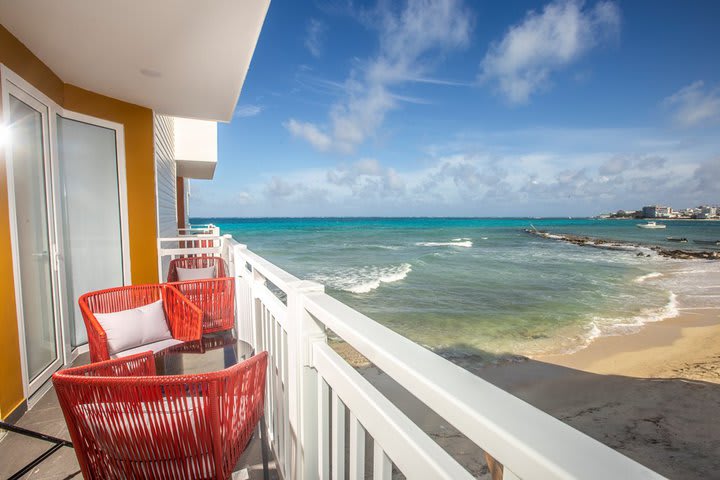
{"points": [[11, 389], [140, 169], [19, 59], [16, 56]]}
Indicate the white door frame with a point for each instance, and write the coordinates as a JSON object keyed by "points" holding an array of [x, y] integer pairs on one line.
{"points": [[122, 180], [118, 128], [66, 354], [13, 85]]}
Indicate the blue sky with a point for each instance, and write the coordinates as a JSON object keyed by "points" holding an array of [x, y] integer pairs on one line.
{"points": [[482, 108]]}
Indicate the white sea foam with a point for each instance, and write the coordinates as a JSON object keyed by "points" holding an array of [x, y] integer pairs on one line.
{"points": [[364, 279], [384, 247], [594, 332], [697, 283], [603, 327], [648, 276], [457, 242]]}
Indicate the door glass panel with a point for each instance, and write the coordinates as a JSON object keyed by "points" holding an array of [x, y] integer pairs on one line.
{"points": [[28, 162], [90, 214]]}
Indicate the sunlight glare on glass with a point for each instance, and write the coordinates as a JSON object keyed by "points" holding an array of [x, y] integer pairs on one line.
{"points": [[4, 135]]}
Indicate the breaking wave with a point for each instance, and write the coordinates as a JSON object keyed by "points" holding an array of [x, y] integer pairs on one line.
{"points": [[364, 279], [649, 276], [455, 242], [602, 327]]}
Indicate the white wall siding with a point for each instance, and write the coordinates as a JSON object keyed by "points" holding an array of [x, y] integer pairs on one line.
{"points": [[165, 186], [165, 176]]}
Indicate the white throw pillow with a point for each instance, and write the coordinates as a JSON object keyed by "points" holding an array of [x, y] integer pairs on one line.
{"points": [[123, 329], [137, 326], [195, 273], [154, 326]]}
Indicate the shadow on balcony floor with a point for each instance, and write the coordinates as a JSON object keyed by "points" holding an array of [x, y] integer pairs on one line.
{"points": [[46, 417]]}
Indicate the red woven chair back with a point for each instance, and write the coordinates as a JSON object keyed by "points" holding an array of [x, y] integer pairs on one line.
{"points": [[173, 427], [215, 297], [221, 269], [184, 318], [121, 298]]}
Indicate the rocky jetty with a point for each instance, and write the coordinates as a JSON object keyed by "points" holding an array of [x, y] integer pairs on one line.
{"points": [[643, 250]]}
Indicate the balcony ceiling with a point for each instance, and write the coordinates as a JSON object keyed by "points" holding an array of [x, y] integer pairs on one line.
{"points": [[185, 58]]}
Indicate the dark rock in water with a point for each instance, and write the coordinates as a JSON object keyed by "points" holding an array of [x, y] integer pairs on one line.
{"points": [[624, 245]]}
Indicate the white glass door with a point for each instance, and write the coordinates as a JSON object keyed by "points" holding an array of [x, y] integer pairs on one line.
{"points": [[90, 200], [34, 249]]}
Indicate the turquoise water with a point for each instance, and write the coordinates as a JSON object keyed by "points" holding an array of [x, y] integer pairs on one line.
{"points": [[468, 286]]}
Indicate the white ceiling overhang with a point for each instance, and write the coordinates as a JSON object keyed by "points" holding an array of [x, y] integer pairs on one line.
{"points": [[186, 58]]}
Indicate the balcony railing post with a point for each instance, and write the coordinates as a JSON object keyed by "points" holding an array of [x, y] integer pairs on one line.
{"points": [[245, 324], [303, 331], [228, 252]]}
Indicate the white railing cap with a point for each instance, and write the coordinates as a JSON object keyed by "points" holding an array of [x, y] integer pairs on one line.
{"points": [[279, 277]]}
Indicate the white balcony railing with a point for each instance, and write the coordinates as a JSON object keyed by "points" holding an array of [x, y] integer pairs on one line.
{"points": [[313, 393], [208, 229]]}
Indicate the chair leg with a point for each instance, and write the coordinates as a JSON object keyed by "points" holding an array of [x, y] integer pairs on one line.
{"points": [[263, 445]]}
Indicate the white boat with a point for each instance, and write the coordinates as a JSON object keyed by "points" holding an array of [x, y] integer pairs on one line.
{"points": [[651, 225]]}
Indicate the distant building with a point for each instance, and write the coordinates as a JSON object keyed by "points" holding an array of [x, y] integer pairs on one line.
{"points": [[623, 214], [706, 211], [657, 211]]}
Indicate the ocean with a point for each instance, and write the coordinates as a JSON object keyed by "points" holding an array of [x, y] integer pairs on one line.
{"points": [[484, 287]]}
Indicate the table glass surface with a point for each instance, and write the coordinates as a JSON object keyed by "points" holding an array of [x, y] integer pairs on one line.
{"points": [[213, 353]]}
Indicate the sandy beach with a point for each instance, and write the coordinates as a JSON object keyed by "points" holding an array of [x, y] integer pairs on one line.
{"points": [[687, 346], [653, 395]]}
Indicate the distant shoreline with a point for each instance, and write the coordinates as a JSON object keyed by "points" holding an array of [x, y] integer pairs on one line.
{"points": [[643, 219], [201, 220]]}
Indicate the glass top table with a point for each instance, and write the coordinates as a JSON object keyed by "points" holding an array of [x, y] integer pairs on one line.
{"points": [[212, 353]]}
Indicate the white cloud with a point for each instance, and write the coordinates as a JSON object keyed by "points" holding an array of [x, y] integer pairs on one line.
{"points": [[524, 60], [243, 111], [368, 178], [314, 36], [492, 180], [694, 105], [298, 191], [310, 133], [503, 173], [244, 198], [279, 188], [409, 41]]}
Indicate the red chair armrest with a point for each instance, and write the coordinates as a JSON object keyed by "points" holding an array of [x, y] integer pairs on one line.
{"points": [[138, 365], [184, 318], [97, 338]]}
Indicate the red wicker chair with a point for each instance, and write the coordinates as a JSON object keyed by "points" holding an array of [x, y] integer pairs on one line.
{"points": [[184, 319], [125, 422], [215, 297], [221, 269]]}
